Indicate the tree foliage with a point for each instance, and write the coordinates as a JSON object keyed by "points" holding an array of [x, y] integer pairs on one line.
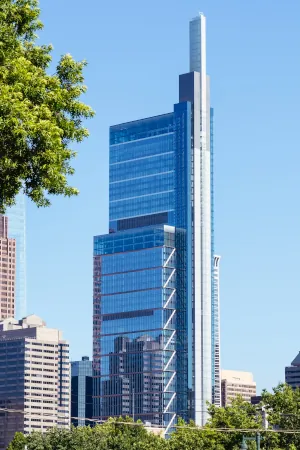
{"points": [[282, 407], [40, 114], [283, 410], [112, 435], [224, 430], [240, 415]]}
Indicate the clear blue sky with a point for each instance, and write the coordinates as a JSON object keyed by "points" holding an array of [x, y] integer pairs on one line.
{"points": [[136, 50]]}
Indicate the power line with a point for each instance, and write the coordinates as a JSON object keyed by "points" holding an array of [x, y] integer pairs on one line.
{"points": [[187, 427], [240, 430]]}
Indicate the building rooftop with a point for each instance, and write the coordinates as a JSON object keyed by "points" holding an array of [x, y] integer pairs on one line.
{"points": [[31, 321], [235, 376], [296, 361]]}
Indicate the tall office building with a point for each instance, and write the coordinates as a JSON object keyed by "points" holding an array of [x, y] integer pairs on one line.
{"points": [[152, 337], [7, 270], [234, 383], [17, 230], [292, 373], [81, 392], [216, 366], [34, 378]]}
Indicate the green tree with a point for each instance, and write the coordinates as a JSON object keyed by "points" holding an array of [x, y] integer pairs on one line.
{"points": [[223, 431], [115, 434], [19, 442], [187, 436], [41, 115], [240, 415], [283, 410]]}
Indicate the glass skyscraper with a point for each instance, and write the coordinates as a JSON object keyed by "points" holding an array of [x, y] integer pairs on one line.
{"points": [[17, 230], [152, 326]]}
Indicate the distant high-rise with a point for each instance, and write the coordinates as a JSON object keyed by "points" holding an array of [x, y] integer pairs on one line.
{"points": [[34, 378], [292, 373], [7, 270], [81, 392], [216, 371], [17, 230], [236, 383], [153, 344]]}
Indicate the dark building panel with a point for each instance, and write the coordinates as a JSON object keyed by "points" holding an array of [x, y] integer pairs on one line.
{"points": [[81, 392]]}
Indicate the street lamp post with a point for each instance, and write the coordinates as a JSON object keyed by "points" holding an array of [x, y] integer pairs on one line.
{"points": [[256, 439], [244, 444]]}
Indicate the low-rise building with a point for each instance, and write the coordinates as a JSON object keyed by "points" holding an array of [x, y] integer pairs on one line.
{"points": [[292, 373], [236, 383], [34, 378]]}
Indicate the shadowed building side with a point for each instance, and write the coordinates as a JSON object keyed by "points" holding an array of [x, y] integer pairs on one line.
{"points": [[81, 392], [292, 373]]}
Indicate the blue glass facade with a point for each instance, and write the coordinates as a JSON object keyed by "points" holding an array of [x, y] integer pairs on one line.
{"points": [[12, 388], [134, 321], [142, 172], [17, 230], [152, 323], [81, 392], [142, 290]]}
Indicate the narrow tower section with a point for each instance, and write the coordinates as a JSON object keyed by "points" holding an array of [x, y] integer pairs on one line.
{"points": [[216, 398], [202, 230]]}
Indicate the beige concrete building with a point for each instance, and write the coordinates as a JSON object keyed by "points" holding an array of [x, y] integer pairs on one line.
{"points": [[237, 383], [34, 378], [7, 270]]}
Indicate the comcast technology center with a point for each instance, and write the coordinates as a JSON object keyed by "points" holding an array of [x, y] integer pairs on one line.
{"points": [[153, 346]]}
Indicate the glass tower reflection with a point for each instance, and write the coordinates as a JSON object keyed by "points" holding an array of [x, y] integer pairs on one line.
{"points": [[152, 317], [134, 322]]}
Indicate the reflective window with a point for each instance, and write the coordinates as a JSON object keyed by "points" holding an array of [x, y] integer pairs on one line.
{"points": [[137, 260], [141, 129], [141, 186], [132, 301], [133, 323], [133, 240], [135, 273], [141, 149]]}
